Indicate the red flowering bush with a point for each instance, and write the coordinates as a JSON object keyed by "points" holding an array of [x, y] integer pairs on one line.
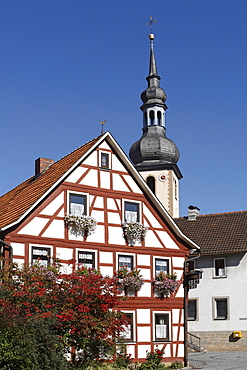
{"points": [[153, 360], [78, 306]]}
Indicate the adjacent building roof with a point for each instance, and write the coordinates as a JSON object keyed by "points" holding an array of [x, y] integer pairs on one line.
{"points": [[218, 233]]}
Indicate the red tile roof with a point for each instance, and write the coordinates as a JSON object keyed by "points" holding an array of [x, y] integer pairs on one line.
{"points": [[217, 233], [18, 200]]}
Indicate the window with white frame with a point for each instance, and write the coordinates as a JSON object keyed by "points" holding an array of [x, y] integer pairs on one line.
{"points": [[128, 332], [131, 211], [192, 309], [219, 267], [77, 204], [220, 308], [161, 324], [86, 259], [105, 160], [41, 255], [161, 264], [126, 260]]}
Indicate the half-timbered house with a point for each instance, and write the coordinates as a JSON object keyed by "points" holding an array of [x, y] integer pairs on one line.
{"points": [[98, 179]]}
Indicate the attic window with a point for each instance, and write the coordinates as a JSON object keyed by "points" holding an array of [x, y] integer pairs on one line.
{"points": [[77, 204], [104, 160], [219, 267]]}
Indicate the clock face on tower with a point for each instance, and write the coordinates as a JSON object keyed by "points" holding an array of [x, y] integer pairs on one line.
{"points": [[162, 177]]}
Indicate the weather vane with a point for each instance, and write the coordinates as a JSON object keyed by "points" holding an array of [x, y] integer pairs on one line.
{"points": [[150, 23], [102, 124]]}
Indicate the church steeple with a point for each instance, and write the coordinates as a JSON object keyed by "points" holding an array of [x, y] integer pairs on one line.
{"points": [[154, 155]]}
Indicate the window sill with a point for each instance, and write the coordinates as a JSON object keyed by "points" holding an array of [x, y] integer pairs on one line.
{"points": [[220, 277]]}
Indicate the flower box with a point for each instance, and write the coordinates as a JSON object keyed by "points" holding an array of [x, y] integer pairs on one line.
{"points": [[129, 282], [80, 225], [164, 284], [134, 232]]}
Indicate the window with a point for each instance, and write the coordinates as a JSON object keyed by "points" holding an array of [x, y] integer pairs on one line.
{"points": [[41, 255], [161, 327], [86, 259], [151, 116], [77, 204], [128, 333], [104, 160], [151, 183], [220, 309], [131, 212], [125, 261], [219, 267], [159, 117], [161, 265], [192, 309]]}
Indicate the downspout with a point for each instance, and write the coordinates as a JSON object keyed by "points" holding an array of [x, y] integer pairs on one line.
{"points": [[186, 289]]}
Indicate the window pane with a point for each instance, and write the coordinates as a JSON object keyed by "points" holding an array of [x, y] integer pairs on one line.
{"points": [[192, 309], [161, 327], [41, 255], [221, 309], [104, 160], [86, 259], [77, 204], [128, 329], [161, 265], [125, 261], [131, 212], [220, 267]]}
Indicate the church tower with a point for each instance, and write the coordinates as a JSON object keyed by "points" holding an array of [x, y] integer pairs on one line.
{"points": [[154, 155]]}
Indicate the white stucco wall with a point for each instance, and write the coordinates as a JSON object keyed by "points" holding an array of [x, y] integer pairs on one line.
{"points": [[233, 286]]}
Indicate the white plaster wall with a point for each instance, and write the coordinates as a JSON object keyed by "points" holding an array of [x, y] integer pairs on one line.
{"points": [[91, 178], [105, 182], [134, 187], [143, 259], [115, 235], [143, 315], [233, 286], [118, 183], [106, 270], [167, 240], [130, 349], [76, 174], [141, 349], [145, 290], [111, 204], [145, 273], [55, 230], [91, 160], [106, 257], [98, 215], [143, 334], [53, 205], [151, 240], [64, 253], [114, 218], [34, 227], [99, 202], [150, 217], [18, 249], [117, 165]]}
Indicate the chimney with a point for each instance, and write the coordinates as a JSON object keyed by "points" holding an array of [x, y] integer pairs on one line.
{"points": [[193, 212], [41, 164]]}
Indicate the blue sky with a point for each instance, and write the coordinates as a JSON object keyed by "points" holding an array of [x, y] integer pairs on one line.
{"points": [[67, 64]]}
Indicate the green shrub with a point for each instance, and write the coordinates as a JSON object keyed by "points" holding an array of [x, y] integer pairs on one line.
{"points": [[177, 365]]}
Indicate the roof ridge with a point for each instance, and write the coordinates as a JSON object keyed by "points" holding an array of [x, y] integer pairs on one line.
{"points": [[213, 214]]}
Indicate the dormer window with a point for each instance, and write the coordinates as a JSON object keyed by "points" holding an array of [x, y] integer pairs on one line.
{"points": [[77, 204], [131, 212]]}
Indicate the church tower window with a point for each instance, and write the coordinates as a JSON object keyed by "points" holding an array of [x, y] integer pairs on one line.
{"points": [[151, 183]]}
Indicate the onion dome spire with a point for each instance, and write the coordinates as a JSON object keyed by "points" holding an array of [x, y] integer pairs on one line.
{"points": [[154, 149]]}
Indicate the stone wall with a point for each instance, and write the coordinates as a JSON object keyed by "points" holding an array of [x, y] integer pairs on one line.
{"points": [[222, 341]]}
